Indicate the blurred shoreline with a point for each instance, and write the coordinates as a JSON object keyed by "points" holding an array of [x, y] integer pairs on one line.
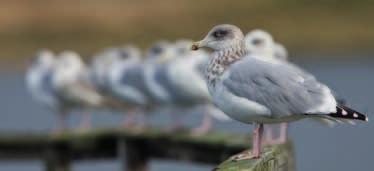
{"points": [[331, 28]]}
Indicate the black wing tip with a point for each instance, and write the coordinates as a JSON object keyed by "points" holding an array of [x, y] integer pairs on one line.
{"points": [[348, 113]]}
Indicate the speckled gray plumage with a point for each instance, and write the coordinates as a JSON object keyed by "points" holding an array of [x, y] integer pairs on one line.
{"points": [[281, 88]]}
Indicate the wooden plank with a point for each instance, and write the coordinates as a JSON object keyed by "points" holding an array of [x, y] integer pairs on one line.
{"points": [[102, 143], [274, 158], [135, 148]]}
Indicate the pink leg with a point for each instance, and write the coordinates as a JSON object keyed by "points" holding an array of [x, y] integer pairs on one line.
{"points": [[256, 146], [86, 122], [269, 134], [283, 133], [61, 123], [176, 124], [143, 121], [129, 119], [257, 136], [282, 136], [204, 127]]}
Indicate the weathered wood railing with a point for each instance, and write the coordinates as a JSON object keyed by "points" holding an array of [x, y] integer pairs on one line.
{"points": [[135, 148]]}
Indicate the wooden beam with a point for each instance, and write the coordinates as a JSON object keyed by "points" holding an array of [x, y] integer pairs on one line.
{"points": [[134, 148], [274, 158]]}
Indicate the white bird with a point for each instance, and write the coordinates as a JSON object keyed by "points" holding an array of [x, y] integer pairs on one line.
{"points": [[102, 62], [251, 90], [184, 79], [261, 45], [155, 64], [100, 70], [39, 83], [130, 80], [73, 87]]}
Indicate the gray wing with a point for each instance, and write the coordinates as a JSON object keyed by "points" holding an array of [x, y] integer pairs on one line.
{"points": [[306, 75], [280, 88], [47, 84], [134, 77], [83, 92], [161, 76]]}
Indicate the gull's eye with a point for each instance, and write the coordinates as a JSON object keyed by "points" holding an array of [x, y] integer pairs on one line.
{"points": [[156, 50], [257, 41], [220, 33], [123, 54]]}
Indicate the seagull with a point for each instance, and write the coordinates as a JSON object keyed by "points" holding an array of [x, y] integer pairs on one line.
{"points": [[73, 87], [100, 71], [38, 81], [186, 85], [260, 44], [254, 91], [102, 62], [130, 80], [155, 64]]}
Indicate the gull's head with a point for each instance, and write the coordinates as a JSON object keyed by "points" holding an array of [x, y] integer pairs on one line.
{"points": [[182, 47], [129, 52], [69, 59], [221, 37], [44, 58], [260, 43], [113, 55], [69, 65], [160, 52], [104, 61]]}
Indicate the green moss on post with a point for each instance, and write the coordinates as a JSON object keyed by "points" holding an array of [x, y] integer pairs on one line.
{"points": [[274, 158]]}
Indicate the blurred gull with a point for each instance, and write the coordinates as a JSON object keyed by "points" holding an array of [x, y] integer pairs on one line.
{"points": [[72, 85], [185, 82], [38, 80], [252, 90], [262, 46], [101, 76], [157, 59], [129, 81], [102, 62]]}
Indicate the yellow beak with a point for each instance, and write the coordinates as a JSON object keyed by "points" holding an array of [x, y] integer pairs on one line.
{"points": [[196, 45]]}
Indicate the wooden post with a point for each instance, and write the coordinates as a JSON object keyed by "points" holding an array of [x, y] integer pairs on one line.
{"points": [[274, 158], [57, 157], [133, 154]]}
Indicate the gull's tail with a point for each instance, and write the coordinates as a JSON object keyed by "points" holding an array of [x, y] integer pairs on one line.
{"points": [[345, 113]]}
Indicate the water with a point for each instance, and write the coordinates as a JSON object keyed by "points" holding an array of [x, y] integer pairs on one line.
{"points": [[342, 148]]}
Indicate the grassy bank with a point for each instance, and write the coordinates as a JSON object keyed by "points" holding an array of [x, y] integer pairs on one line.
{"points": [[89, 25]]}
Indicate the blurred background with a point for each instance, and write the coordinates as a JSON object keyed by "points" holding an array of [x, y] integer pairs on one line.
{"points": [[332, 39]]}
